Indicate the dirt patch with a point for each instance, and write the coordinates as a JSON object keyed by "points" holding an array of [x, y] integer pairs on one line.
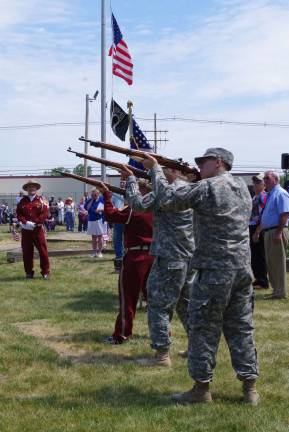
{"points": [[50, 337], [3, 378], [62, 344]]}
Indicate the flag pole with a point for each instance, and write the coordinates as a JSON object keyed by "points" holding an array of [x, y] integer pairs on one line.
{"points": [[103, 88], [129, 106]]}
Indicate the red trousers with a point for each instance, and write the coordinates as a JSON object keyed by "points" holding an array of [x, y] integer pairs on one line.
{"points": [[28, 241], [132, 281]]}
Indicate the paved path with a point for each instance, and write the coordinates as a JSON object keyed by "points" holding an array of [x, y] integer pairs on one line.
{"points": [[68, 236], [6, 247]]}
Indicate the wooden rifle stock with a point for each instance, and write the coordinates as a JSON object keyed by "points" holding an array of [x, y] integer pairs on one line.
{"points": [[91, 182], [136, 171], [140, 155]]}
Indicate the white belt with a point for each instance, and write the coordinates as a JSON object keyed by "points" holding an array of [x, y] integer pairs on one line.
{"points": [[144, 247]]}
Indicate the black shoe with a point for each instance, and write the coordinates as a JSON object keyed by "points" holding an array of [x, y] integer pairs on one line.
{"points": [[29, 276], [259, 285], [112, 341]]}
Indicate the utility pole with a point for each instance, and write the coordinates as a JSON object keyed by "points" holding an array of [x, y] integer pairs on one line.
{"points": [[86, 137], [103, 88], [87, 101], [155, 133]]}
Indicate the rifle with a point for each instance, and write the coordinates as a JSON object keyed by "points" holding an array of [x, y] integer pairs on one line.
{"points": [[136, 171], [140, 156], [95, 183]]}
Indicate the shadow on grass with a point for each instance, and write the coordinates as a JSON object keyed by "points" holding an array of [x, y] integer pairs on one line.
{"points": [[262, 296], [110, 396], [92, 301], [96, 261], [233, 399], [14, 278], [93, 336]]}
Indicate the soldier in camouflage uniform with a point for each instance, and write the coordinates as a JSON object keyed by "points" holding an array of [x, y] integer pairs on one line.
{"points": [[222, 294], [168, 282]]}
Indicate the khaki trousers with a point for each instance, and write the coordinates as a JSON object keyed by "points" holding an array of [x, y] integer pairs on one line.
{"points": [[276, 254]]}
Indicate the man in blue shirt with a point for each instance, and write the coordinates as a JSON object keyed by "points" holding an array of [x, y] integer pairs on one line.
{"points": [[274, 223]]}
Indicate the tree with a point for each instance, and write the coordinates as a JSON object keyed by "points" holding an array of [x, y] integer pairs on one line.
{"points": [[79, 170], [53, 171]]}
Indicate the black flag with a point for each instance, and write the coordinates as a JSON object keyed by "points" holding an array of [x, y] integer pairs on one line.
{"points": [[119, 120]]}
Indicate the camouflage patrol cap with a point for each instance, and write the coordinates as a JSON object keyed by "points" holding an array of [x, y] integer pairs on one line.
{"points": [[217, 153]]}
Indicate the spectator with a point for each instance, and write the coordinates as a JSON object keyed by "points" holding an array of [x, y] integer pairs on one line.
{"points": [[1, 213], [60, 208], [69, 214], [19, 197], [50, 223], [53, 208], [258, 261], [95, 228], [274, 223], [85, 197], [82, 216]]}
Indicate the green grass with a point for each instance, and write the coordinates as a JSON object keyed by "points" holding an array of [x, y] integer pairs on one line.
{"points": [[65, 379]]}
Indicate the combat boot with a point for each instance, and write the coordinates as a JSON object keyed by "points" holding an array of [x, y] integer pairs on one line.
{"points": [[200, 393], [161, 358], [251, 396]]}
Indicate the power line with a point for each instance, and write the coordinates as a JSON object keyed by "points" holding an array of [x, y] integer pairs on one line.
{"points": [[220, 122], [217, 122]]}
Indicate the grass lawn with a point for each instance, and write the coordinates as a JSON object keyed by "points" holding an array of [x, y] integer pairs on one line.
{"points": [[57, 375]]}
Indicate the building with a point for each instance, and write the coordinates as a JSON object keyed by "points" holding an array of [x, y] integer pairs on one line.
{"points": [[58, 186]]}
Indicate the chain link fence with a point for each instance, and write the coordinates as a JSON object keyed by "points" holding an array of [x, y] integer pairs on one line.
{"points": [[10, 199]]}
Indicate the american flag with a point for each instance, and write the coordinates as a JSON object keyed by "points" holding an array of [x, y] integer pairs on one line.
{"points": [[139, 142], [121, 60]]}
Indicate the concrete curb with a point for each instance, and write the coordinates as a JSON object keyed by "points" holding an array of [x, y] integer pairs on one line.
{"points": [[16, 256]]}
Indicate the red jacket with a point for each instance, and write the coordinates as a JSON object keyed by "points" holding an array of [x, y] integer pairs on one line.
{"points": [[137, 226], [34, 211]]}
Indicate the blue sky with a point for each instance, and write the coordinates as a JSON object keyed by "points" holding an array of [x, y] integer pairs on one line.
{"points": [[214, 59]]}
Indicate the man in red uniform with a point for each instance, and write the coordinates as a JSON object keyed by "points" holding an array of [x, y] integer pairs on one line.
{"points": [[136, 265], [32, 210]]}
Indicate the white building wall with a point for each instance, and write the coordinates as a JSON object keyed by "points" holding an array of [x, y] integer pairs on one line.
{"points": [[50, 185]]}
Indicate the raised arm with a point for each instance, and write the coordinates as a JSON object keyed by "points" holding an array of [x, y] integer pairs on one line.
{"points": [[112, 214], [177, 198], [136, 200]]}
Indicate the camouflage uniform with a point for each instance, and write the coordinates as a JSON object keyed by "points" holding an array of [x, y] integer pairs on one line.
{"points": [[221, 294], [168, 283]]}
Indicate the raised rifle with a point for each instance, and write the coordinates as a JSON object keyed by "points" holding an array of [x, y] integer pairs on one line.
{"points": [[136, 171], [91, 182], [139, 156]]}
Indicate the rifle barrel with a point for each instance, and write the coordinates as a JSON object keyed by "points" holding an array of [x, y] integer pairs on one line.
{"points": [[91, 182], [136, 171], [169, 163]]}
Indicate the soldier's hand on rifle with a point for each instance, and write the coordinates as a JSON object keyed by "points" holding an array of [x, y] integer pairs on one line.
{"points": [[149, 161], [102, 187], [125, 172]]}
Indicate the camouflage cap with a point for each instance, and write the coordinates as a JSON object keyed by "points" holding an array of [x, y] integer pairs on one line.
{"points": [[217, 153]]}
